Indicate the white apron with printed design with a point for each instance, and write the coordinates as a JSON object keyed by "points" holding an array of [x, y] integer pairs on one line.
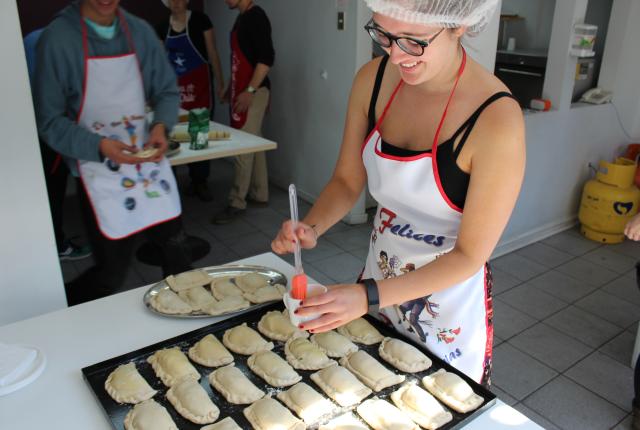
{"points": [[415, 223], [125, 198]]}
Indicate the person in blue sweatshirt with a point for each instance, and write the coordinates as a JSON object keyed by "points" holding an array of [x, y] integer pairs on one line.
{"points": [[99, 68]]}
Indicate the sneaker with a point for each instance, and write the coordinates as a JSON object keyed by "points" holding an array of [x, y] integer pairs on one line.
{"points": [[229, 214], [73, 252], [200, 190]]}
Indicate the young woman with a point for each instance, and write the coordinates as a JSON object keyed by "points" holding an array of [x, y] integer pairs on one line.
{"points": [[440, 142], [191, 46]]}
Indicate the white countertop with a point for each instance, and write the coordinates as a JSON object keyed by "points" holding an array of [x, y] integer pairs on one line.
{"points": [[86, 334], [239, 143]]}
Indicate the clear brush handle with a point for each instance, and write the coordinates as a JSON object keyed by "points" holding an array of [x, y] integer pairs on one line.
{"points": [[293, 205]]}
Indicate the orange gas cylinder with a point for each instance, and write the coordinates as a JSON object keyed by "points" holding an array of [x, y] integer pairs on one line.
{"points": [[609, 201]]}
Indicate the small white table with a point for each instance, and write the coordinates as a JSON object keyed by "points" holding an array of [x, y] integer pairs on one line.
{"points": [[86, 334], [239, 143]]}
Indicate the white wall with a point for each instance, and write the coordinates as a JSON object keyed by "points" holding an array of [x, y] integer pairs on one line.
{"points": [[482, 48], [620, 70], [559, 147], [30, 278]]}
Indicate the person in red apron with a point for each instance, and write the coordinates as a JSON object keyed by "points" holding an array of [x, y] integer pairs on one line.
{"points": [[252, 56], [131, 187], [440, 143], [190, 44]]}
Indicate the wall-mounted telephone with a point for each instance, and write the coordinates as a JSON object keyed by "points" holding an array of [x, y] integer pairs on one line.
{"points": [[596, 96]]}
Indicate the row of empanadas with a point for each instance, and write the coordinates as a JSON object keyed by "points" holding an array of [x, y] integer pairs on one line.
{"points": [[196, 299]]}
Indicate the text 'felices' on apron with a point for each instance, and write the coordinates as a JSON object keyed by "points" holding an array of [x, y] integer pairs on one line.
{"points": [[241, 73], [127, 198], [194, 79], [415, 223]]}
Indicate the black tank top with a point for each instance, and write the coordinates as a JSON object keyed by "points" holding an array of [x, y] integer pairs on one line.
{"points": [[455, 181]]}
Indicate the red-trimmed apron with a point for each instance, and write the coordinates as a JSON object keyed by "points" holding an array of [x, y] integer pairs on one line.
{"points": [[194, 79], [415, 223], [125, 198], [241, 73]]}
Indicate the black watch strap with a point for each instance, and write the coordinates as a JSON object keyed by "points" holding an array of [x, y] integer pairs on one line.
{"points": [[372, 291]]}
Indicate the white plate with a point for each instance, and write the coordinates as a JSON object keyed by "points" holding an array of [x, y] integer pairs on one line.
{"points": [[29, 375]]}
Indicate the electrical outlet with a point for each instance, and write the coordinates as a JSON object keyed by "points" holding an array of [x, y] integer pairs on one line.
{"points": [[340, 20]]}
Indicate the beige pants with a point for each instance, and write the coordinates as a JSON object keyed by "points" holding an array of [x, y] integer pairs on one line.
{"points": [[251, 169]]}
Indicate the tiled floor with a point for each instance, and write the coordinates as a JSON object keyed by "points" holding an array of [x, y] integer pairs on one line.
{"points": [[566, 309]]}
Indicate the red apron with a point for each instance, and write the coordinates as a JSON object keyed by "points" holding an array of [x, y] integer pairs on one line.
{"points": [[241, 73]]}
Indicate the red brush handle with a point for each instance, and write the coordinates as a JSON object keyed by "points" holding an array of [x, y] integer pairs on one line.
{"points": [[299, 287]]}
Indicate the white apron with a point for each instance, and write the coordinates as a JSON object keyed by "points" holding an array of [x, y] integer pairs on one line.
{"points": [[415, 223], [127, 198]]}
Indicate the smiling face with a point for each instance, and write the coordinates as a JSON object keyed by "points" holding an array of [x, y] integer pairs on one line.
{"points": [[436, 57], [101, 12]]}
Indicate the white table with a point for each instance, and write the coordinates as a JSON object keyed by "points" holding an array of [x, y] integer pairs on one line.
{"points": [[86, 334], [239, 143]]}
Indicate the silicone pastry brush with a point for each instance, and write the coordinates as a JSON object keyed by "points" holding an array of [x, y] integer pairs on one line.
{"points": [[299, 281]]}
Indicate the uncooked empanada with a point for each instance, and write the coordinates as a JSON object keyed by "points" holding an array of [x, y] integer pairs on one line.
{"points": [[265, 294], [452, 390], [370, 371], [403, 356], [251, 282], [242, 339], [334, 344], [277, 325], [168, 302], [344, 422], [210, 352], [171, 365], [186, 280], [234, 385], [197, 297], [382, 415], [340, 384], [268, 414], [149, 415], [269, 366], [223, 288], [192, 402], [302, 354], [306, 402], [226, 305], [225, 424], [361, 331], [126, 385], [421, 407]]}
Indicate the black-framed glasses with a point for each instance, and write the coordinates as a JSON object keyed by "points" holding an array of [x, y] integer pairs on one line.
{"points": [[410, 45]]}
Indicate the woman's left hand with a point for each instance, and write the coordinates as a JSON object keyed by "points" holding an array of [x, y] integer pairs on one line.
{"points": [[157, 139], [341, 304]]}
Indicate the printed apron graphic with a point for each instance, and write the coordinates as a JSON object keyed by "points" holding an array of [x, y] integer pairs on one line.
{"points": [[241, 73], [125, 198], [194, 79], [416, 223]]}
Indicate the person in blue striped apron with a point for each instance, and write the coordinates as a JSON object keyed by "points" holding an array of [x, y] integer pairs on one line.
{"points": [[439, 141]]}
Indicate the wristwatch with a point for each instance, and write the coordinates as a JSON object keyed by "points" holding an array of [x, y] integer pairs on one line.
{"points": [[250, 89], [372, 291]]}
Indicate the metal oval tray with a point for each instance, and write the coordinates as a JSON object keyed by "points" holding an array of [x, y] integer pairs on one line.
{"points": [[274, 276]]}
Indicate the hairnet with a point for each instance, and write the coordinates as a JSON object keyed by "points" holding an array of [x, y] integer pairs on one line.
{"points": [[472, 14]]}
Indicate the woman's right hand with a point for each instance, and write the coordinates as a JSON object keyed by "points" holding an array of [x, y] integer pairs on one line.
{"points": [[283, 243]]}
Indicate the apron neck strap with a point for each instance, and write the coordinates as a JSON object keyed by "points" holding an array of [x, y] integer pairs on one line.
{"points": [[434, 147]]}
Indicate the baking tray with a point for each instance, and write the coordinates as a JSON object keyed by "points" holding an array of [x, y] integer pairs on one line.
{"points": [[231, 271], [97, 374]]}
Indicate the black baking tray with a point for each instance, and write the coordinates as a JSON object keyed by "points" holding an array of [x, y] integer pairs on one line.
{"points": [[97, 374]]}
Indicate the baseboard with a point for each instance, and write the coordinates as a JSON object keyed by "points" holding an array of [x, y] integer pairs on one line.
{"points": [[533, 236]]}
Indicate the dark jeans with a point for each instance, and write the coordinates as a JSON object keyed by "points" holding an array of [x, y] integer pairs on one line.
{"points": [[199, 172], [113, 258], [55, 176], [636, 384]]}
